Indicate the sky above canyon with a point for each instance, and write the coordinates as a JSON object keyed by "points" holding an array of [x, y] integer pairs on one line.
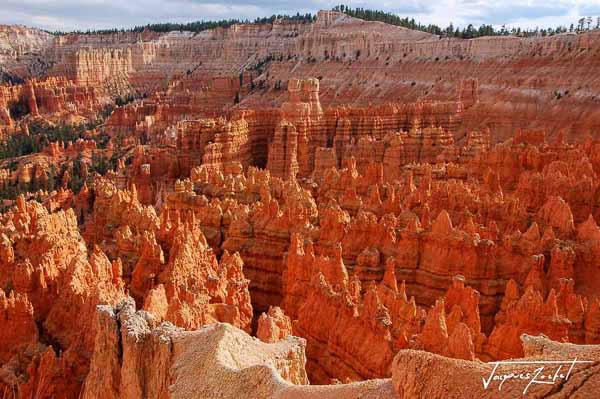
{"points": [[97, 14]]}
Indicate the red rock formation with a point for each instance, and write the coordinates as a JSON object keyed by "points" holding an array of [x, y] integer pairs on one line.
{"points": [[529, 314], [58, 280], [283, 152], [57, 98], [333, 351], [55, 283], [17, 312], [557, 214], [273, 326]]}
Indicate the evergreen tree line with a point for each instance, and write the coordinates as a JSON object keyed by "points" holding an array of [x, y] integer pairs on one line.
{"points": [[124, 100], [6, 77], [468, 32], [197, 26], [99, 164], [40, 135]]}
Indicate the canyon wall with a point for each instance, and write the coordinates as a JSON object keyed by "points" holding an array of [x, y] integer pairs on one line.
{"points": [[520, 82]]}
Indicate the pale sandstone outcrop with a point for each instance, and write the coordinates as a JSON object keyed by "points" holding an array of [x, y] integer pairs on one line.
{"points": [[419, 374], [135, 356]]}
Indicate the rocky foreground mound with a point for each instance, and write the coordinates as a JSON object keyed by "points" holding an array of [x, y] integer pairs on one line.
{"points": [[137, 357], [418, 374]]}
